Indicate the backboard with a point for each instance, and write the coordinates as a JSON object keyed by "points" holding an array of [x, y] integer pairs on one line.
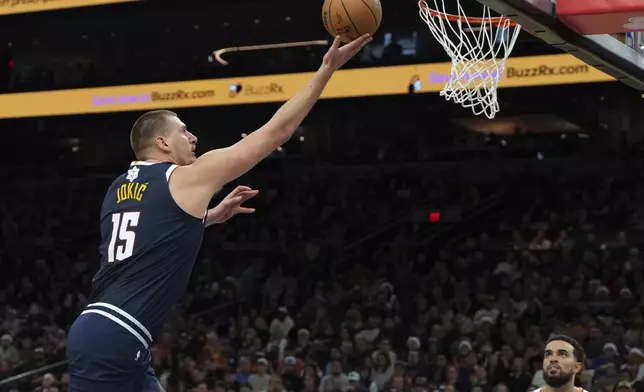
{"points": [[588, 30]]}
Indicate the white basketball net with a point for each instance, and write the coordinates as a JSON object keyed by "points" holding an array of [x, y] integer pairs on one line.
{"points": [[478, 51]]}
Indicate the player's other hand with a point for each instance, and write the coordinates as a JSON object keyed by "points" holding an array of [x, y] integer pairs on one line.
{"points": [[231, 205], [338, 55]]}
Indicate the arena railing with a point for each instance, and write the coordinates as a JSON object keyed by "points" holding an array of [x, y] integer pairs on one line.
{"points": [[488, 212], [491, 204], [238, 302], [30, 373], [377, 233]]}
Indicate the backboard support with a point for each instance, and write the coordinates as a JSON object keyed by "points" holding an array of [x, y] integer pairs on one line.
{"points": [[602, 51], [635, 40]]}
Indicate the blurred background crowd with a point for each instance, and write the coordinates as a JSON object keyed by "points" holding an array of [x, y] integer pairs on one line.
{"points": [[398, 244]]}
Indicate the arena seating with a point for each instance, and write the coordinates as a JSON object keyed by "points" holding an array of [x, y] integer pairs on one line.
{"points": [[325, 288]]}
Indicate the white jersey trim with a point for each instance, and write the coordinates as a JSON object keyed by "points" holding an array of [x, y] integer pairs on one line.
{"points": [[119, 322], [125, 314], [168, 172]]}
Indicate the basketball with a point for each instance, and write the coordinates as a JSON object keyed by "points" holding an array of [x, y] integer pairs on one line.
{"points": [[351, 18]]}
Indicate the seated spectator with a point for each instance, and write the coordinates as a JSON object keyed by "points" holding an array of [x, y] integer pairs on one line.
{"points": [[337, 380], [540, 242], [8, 352], [260, 379], [354, 383], [291, 374]]}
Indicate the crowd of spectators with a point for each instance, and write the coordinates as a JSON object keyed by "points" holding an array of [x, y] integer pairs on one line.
{"points": [[48, 254], [265, 314]]}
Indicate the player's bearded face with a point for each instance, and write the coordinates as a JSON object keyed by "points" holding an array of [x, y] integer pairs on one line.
{"points": [[559, 364], [555, 375]]}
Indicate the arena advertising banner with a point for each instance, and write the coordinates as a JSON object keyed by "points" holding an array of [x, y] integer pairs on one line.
{"points": [[8, 7], [398, 80]]}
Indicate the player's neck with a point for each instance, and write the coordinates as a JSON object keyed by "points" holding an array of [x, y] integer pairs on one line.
{"points": [[157, 159], [570, 387], [152, 160]]}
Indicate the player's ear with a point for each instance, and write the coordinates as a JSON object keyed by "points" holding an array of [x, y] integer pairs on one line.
{"points": [[162, 143], [578, 368]]}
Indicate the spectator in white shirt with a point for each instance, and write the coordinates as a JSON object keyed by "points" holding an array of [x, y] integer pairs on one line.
{"points": [[283, 321], [259, 381], [489, 313], [7, 351], [337, 378]]}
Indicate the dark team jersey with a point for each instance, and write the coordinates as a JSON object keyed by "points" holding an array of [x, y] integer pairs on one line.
{"points": [[148, 248]]}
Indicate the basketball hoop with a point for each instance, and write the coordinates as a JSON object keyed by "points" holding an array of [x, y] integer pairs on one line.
{"points": [[478, 47]]}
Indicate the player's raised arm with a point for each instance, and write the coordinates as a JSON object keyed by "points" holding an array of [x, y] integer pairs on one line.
{"points": [[215, 168]]}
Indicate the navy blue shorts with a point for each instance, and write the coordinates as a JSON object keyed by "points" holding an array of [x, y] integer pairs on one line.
{"points": [[108, 352]]}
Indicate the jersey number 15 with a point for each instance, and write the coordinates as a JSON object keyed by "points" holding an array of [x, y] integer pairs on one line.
{"points": [[122, 231]]}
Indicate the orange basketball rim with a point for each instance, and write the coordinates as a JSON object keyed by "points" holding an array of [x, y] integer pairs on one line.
{"points": [[499, 20]]}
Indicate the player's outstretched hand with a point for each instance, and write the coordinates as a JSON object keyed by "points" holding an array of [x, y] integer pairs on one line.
{"points": [[231, 205], [338, 55]]}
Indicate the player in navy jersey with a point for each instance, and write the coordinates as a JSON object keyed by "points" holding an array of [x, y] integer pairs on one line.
{"points": [[152, 223]]}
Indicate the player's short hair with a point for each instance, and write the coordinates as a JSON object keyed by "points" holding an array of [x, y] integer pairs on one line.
{"points": [[146, 129], [577, 349]]}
